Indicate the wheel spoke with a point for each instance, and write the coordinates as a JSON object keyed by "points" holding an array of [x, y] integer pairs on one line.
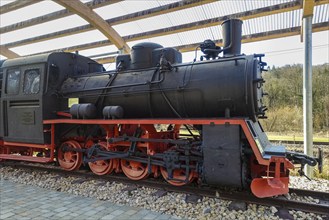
{"points": [[178, 177], [69, 160], [101, 167], [134, 170]]}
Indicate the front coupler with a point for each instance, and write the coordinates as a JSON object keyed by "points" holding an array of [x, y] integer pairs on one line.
{"points": [[303, 159]]}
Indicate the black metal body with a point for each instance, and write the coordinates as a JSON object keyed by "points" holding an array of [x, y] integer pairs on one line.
{"points": [[222, 155], [1, 78], [150, 83], [26, 102], [193, 90]]}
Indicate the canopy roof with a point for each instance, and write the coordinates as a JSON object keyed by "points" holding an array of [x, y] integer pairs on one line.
{"points": [[103, 28]]}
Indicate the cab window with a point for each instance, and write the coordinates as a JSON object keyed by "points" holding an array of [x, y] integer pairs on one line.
{"points": [[31, 81], [12, 84]]}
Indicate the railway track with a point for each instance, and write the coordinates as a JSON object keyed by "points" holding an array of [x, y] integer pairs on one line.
{"points": [[279, 202], [325, 144]]}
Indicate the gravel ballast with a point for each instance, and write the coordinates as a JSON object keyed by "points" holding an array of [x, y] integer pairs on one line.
{"points": [[170, 203]]}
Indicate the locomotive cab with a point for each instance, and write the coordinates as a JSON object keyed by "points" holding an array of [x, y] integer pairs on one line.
{"points": [[29, 93]]}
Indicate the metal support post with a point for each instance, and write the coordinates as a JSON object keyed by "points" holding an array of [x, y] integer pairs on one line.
{"points": [[307, 91]]}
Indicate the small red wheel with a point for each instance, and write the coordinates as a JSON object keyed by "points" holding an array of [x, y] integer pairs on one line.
{"points": [[134, 170], [69, 160], [102, 167], [179, 176]]}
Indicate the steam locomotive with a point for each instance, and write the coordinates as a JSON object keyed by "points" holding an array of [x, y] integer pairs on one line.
{"points": [[153, 115]]}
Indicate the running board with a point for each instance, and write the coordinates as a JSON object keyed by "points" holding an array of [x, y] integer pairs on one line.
{"points": [[26, 158]]}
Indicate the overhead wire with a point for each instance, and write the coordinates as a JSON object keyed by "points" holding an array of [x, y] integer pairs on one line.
{"points": [[294, 50]]}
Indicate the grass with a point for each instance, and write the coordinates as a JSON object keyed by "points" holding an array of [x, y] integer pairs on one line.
{"points": [[325, 172], [323, 175], [296, 138]]}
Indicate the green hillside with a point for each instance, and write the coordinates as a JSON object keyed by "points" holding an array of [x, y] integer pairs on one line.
{"points": [[284, 86]]}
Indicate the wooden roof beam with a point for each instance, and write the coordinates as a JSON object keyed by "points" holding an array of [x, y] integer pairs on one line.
{"points": [[308, 8], [53, 16], [4, 51], [245, 39], [16, 5], [164, 9], [113, 21], [97, 21], [288, 32], [174, 29]]}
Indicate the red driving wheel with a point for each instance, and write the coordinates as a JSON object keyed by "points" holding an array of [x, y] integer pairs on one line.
{"points": [[102, 167], [69, 160], [135, 170]]}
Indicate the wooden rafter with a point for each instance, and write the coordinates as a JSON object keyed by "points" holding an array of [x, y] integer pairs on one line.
{"points": [[16, 5], [245, 39], [4, 51], [113, 21], [308, 8], [95, 20], [288, 32], [274, 9], [53, 16]]}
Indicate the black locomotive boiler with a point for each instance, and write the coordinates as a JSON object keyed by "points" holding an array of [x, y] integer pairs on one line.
{"points": [[153, 115]]}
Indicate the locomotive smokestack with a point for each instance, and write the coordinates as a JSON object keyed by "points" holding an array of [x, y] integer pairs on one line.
{"points": [[232, 34]]}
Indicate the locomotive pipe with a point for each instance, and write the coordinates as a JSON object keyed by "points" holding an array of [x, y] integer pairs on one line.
{"points": [[232, 34]]}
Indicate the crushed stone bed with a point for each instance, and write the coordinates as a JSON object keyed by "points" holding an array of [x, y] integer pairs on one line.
{"points": [[170, 203]]}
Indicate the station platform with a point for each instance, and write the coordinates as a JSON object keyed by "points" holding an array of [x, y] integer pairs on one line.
{"points": [[18, 201]]}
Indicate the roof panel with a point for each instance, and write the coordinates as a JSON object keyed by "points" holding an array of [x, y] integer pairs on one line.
{"points": [[124, 7], [4, 2], [272, 22], [110, 11], [187, 37], [87, 37], [227, 7], [166, 2], [22, 14], [202, 12], [134, 6], [143, 25], [195, 36], [186, 16], [132, 43], [44, 28], [321, 13], [208, 11], [166, 41], [128, 28], [99, 50]]}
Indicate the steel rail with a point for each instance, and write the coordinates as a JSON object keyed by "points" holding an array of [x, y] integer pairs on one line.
{"points": [[279, 202], [315, 143]]}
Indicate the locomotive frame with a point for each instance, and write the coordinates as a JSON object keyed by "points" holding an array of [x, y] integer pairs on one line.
{"points": [[230, 148]]}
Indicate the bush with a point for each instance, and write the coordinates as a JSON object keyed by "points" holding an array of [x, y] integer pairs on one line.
{"points": [[284, 120], [285, 100]]}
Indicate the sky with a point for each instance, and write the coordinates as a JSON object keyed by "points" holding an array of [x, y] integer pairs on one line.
{"points": [[279, 52]]}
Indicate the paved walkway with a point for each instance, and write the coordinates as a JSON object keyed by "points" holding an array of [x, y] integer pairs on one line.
{"points": [[22, 202]]}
